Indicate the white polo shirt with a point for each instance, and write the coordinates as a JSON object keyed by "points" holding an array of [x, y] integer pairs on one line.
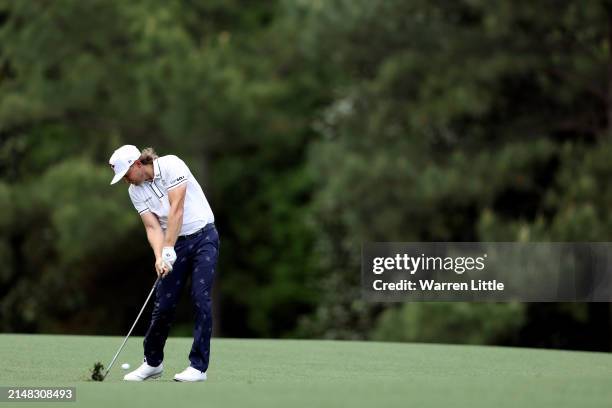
{"points": [[169, 173]]}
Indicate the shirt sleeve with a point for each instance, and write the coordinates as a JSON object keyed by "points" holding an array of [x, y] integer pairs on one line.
{"points": [[140, 205], [175, 172]]}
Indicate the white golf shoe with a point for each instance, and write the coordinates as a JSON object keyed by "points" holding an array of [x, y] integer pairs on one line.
{"points": [[144, 372], [190, 374]]}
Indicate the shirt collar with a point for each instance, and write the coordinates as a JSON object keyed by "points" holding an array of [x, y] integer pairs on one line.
{"points": [[156, 169]]}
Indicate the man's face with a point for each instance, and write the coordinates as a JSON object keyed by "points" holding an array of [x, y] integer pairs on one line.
{"points": [[135, 175]]}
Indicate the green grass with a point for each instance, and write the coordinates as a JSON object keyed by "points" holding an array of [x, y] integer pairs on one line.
{"points": [[292, 373]]}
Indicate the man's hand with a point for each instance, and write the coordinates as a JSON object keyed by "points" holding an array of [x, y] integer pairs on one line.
{"points": [[162, 268], [168, 255]]}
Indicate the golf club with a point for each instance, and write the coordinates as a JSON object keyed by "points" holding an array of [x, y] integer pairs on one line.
{"points": [[96, 376]]}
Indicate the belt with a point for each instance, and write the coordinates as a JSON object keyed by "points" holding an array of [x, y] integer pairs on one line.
{"points": [[199, 232]]}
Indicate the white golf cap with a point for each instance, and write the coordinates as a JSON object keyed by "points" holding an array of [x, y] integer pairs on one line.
{"points": [[122, 159]]}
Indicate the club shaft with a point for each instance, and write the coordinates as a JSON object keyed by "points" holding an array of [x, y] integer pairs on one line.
{"points": [[132, 328]]}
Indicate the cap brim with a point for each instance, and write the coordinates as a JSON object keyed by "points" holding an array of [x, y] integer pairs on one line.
{"points": [[118, 177]]}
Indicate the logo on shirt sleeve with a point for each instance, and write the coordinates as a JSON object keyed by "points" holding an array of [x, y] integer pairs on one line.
{"points": [[177, 180]]}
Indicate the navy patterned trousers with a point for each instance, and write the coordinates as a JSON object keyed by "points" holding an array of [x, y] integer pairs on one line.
{"points": [[196, 255]]}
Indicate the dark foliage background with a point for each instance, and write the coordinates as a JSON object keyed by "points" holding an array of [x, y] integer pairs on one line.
{"points": [[313, 126]]}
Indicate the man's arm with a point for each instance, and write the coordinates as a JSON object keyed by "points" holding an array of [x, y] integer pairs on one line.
{"points": [[155, 235], [176, 196]]}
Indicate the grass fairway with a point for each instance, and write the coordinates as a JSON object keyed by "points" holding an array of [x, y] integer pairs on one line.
{"points": [[264, 373]]}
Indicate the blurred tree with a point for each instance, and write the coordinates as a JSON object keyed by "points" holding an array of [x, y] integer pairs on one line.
{"points": [[456, 122], [77, 80], [460, 323], [313, 126]]}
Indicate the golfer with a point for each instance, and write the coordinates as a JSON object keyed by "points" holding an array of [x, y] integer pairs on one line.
{"points": [[180, 228]]}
